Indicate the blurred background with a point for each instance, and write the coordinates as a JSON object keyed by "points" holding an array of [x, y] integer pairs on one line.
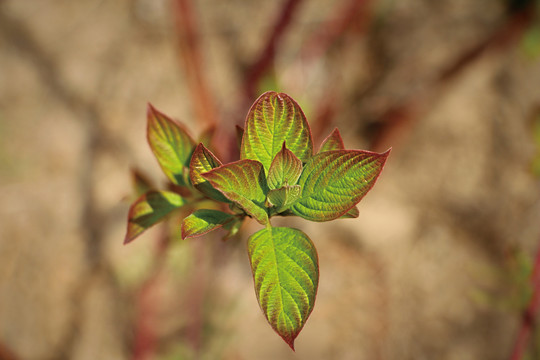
{"points": [[439, 265]]}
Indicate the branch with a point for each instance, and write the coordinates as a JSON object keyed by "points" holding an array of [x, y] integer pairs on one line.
{"points": [[400, 117], [190, 44], [267, 56], [528, 318]]}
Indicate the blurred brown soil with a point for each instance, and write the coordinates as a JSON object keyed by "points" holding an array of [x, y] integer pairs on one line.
{"points": [[430, 269]]}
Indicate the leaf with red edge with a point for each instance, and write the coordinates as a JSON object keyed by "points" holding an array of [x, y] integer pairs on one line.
{"points": [[285, 269], [273, 119], [203, 161], [334, 181], [332, 142], [149, 209], [171, 144], [203, 221], [285, 169], [243, 182], [351, 214]]}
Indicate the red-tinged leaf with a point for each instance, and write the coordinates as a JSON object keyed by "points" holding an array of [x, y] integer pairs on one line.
{"points": [[332, 142], [171, 144], [273, 119], [334, 181], [285, 269], [285, 169], [203, 161], [243, 182], [351, 214], [203, 221], [149, 209]]}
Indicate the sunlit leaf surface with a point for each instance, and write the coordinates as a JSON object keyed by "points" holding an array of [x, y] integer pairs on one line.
{"points": [[286, 274]]}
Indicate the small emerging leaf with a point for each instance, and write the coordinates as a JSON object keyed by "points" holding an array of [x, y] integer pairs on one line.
{"points": [[332, 142], [284, 169], [244, 183], [284, 197], [150, 209], [171, 144], [273, 119], [285, 270], [351, 214], [203, 221], [334, 181], [203, 161]]}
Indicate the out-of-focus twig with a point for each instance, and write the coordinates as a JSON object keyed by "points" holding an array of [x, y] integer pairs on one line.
{"points": [[6, 353], [353, 15], [528, 318], [192, 62], [400, 117], [267, 55], [20, 38]]}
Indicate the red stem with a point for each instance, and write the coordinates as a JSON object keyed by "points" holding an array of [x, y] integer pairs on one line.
{"points": [[266, 58], [354, 12], [190, 44], [528, 320]]}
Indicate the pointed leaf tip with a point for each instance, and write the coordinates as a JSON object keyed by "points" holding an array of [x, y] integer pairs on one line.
{"points": [[202, 161], [285, 169], [148, 210], [332, 142], [203, 221], [273, 119], [171, 144]]}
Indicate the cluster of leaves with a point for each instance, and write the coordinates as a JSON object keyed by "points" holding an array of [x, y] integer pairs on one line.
{"points": [[277, 174]]}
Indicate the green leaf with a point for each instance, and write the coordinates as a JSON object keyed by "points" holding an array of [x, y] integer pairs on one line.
{"points": [[243, 182], [203, 221], [171, 144], [334, 181], [273, 119], [332, 142], [351, 214], [285, 270], [149, 209], [284, 169], [203, 161], [284, 197]]}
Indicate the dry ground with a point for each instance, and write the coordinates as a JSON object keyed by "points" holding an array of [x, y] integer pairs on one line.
{"points": [[432, 268]]}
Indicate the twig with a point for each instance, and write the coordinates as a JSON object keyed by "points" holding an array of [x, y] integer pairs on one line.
{"points": [[353, 12], [528, 318], [190, 43], [267, 55], [6, 353], [400, 117], [22, 40]]}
